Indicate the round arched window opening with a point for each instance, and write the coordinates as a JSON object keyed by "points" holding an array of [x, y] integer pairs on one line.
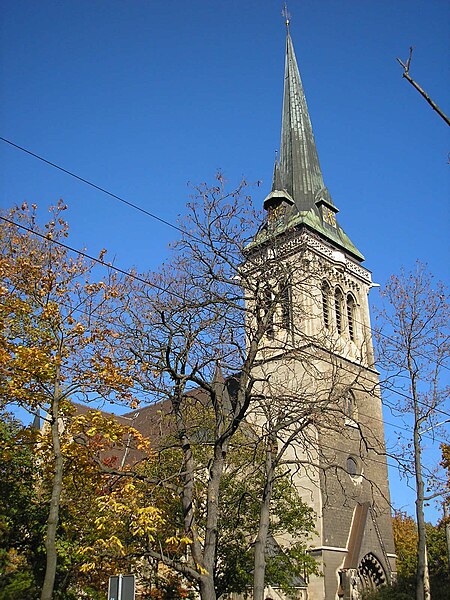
{"points": [[338, 302], [352, 467], [351, 316], [326, 304]]}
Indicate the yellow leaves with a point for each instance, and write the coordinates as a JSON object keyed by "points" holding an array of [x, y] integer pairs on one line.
{"points": [[405, 540], [113, 542], [122, 515], [172, 540], [179, 540], [50, 312], [32, 361], [79, 329], [200, 569], [186, 540], [128, 488], [111, 374], [87, 567], [4, 355], [145, 523], [143, 443], [91, 431], [123, 518]]}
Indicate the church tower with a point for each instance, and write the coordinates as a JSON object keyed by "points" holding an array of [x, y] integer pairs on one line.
{"points": [[317, 363]]}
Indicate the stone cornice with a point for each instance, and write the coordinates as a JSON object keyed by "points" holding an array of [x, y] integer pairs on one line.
{"points": [[296, 240]]}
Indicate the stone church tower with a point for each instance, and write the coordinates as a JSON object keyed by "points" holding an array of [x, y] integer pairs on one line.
{"points": [[318, 362]]}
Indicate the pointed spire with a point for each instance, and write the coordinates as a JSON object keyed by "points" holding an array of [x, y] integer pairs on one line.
{"points": [[276, 179], [37, 419], [219, 384], [297, 179], [299, 162], [278, 188]]}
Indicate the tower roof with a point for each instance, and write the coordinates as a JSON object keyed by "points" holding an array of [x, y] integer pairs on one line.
{"points": [[298, 177], [299, 162]]}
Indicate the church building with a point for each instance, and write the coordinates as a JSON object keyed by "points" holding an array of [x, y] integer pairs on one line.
{"points": [[318, 399], [319, 351]]}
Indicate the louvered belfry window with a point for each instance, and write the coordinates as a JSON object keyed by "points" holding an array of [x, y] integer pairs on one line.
{"points": [[326, 304], [338, 310], [351, 316], [286, 308]]}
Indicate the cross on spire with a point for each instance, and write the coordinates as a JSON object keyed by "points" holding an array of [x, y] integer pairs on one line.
{"points": [[286, 14]]}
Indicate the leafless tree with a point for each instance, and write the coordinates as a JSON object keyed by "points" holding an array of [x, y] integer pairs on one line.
{"points": [[414, 350], [206, 339], [406, 65]]}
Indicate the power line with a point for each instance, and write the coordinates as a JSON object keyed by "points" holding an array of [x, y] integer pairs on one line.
{"points": [[90, 257], [153, 216], [156, 286], [97, 187], [140, 279]]}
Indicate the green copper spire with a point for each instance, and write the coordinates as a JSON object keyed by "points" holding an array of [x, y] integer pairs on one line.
{"points": [[298, 181], [299, 162]]}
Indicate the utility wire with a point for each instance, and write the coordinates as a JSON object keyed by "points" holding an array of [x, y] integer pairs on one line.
{"points": [[148, 213], [150, 284], [153, 216], [93, 258], [97, 187]]}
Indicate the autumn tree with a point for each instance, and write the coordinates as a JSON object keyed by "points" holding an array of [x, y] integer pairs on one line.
{"points": [[413, 344], [57, 327], [104, 510], [101, 515], [405, 537], [21, 514]]}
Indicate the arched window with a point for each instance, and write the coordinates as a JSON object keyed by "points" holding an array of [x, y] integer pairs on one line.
{"points": [[286, 305], [349, 405], [338, 301], [326, 304], [350, 410], [351, 316], [352, 467], [268, 311]]}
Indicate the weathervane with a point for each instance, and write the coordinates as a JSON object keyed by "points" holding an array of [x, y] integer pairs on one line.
{"points": [[286, 14]]}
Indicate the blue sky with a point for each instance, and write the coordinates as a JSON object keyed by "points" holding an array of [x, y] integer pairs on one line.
{"points": [[143, 96]]}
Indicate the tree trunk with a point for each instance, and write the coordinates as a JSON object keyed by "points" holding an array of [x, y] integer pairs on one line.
{"points": [[212, 517], [53, 516], [447, 533], [423, 580], [260, 549], [207, 591], [264, 522]]}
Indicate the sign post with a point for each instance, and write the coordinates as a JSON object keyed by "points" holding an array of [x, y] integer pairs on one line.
{"points": [[121, 587]]}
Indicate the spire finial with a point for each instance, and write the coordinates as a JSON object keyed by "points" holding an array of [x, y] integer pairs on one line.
{"points": [[287, 15]]}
